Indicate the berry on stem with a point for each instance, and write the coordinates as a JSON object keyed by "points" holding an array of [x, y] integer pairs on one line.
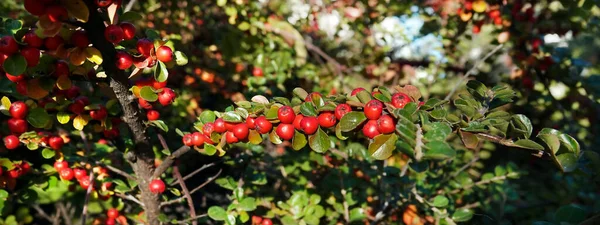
{"points": [[373, 109], [157, 186], [285, 131], [286, 115], [18, 110]]}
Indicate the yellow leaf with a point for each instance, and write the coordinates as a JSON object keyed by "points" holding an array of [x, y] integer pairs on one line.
{"points": [[80, 121], [479, 6], [77, 56], [93, 55], [35, 91], [77, 9], [465, 16], [6, 102], [47, 28], [63, 82]]}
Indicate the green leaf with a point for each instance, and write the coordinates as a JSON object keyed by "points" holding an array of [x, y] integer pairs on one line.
{"points": [[299, 140], [248, 204], [274, 138], [462, 215], [63, 117], [383, 146], [351, 121], [217, 213], [570, 143], [357, 214], [301, 93], [432, 103], [32, 145], [464, 106], [438, 150], [15, 65], [207, 116], [131, 16], [477, 89], [567, 161], [38, 118], [244, 26], [221, 3], [232, 117], [209, 149], [437, 131], [161, 73], [319, 142], [440, 201], [364, 96], [160, 124], [180, 58], [570, 214], [147, 93], [529, 144], [551, 141], [308, 109], [521, 122], [48, 153], [152, 34]]}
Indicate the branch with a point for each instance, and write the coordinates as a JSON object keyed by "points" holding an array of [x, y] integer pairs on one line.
{"points": [[63, 212], [345, 203], [481, 182], [186, 193], [130, 198], [43, 214], [193, 219], [505, 142], [129, 5], [180, 199], [170, 159], [87, 198], [205, 166], [472, 70], [116, 170], [419, 143]]}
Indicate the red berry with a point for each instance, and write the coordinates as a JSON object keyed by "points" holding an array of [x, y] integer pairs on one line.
{"points": [[373, 109], [25, 167], [220, 125], [72, 92], [164, 54], [52, 43], [17, 126], [59, 165], [187, 140], [385, 124], [240, 131], [286, 114], [128, 30], [99, 114], [370, 129], [8, 45], [267, 221], [112, 213], [257, 72], [79, 173], [57, 13], [208, 128], [80, 39], [356, 91], [14, 173], [341, 110], [31, 55], [15, 78], [103, 3], [327, 120], [124, 60], [198, 139], [61, 69], [399, 100], [32, 40], [56, 142], [114, 34], [18, 110], [250, 122], [35, 7], [144, 104], [309, 97], [77, 108], [166, 96], [256, 220], [158, 85], [144, 47], [297, 121], [285, 131], [231, 138], [66, 174], [152, 115], [207, 139], [309, 124], [157, 186], [11, 142], [85, 182], [262, 125]]}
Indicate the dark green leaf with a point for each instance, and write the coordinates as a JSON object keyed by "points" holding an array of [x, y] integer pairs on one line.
{"points": [[160, 124], [131, 16], [529, 144], [161, 73], [15, 65], [570, 214], [299, 140], [319, 142], [232, 117], [38, 118], [567, 161], [462, 215], [438, 150], [352, 120], [521, 122], [308, 109], [477, 89], [383, 146]]}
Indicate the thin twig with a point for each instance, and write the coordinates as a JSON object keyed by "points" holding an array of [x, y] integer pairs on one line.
{"points": [[193, 219], [419, 143], [130, 198], [466, 166], [43, 214], [116, 170], [180, 199], [186, 193], [481, 182], [87, 198], [88, 149], [169, 160], [472, 70], [129, 5], [344, 203], [63, 212], [205, 166]]}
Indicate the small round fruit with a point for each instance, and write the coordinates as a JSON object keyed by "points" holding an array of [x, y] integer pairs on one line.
{"points": [[327, 120], [52, 43], [370, 129], [256, 220], [124, 60], [341, 110], [231, 138], [267, 221], [356, 91], [17, 126], [286, 114], [164, 54], [76, 108], [32, 40], [103, 3], [11, 142], [157, 186], [144, 104], [144, 46], [128, 30], [35, 7], [220, 125], [15, 78], [80, 39], [241, 131], [309, 124], [197, 139], [399, 100], [56, 142], [263, 125], [79, 173], [57, 13], [99, 114], [285, 131], [60, 165], [187, 140], [298, 121], [66, 174], [114, 33], [31, 55], [373, 109], [385, 124], [166, 96], [208, 128], [152, 115], [257, 72], [18, 110], [85, 183], [8, 45], [158, 85], [112, 213], [61, 68]]}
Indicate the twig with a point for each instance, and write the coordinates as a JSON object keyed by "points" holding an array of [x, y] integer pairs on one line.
{"points": [[129, 5], [472, 70], [505, 142], [481, 182], [130, 198], [87, 198], [186, 193], [88, 149], [180, 199], [340, 153], [193, 219], [116, 170], [345, 203], [419, 143], [63, 212], [169, 160], [466, 166], [205, 166], [43, 214]]}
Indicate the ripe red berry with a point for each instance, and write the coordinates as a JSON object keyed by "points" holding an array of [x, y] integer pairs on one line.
{"points": [[32, 40], [370, 129], [373, 109], [80, 39], [208, 128], [99, 114], [11, 142], [385, 124], [158, 85], [31, 55], [66, 174], [220, 125], [52, 43], [241, 131], [144, 47], [157, 186], [309, 124], [231, 138], [187, 140], [112, 213], [297, 121], [399, 100], [124, 60], [256, 220], [15, 78], [15, 173], [152, 115], [18, 110], [327, 120], [57, 13], [56, 142], [128, 30], [77, 108], [250, 122], [356, 91], [61, 68], [59, 165], [85, 182], [35, 7], [286, 114], [341, 110], [164, 54], [8, 45], [79, 173], [166, 96], [197, 139], [257, 72], [114, 34], [267, 221], [103, 3], [144, 104], [285, 131], [263, 125], [17, 126]]}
